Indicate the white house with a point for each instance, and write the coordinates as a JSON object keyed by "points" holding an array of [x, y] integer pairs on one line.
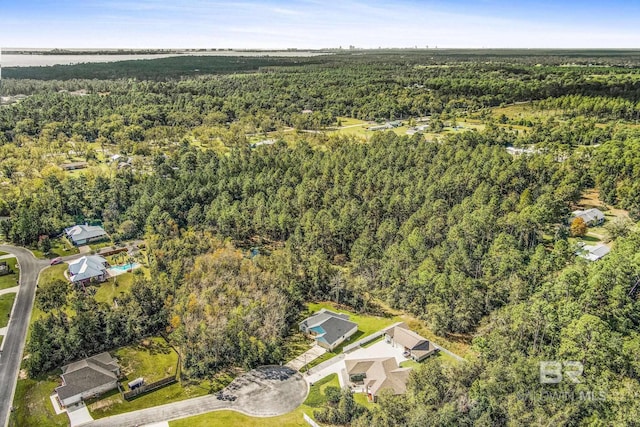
{"points": [[86, 268], [83, 234], [87, 378], [591, 217], [594, 253]]}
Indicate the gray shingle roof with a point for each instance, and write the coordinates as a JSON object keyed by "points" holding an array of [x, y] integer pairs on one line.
{"points": [[334, 325], [87, 374]]}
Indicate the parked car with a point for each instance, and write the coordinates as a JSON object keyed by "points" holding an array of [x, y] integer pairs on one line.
{"points": [[56, 261]]}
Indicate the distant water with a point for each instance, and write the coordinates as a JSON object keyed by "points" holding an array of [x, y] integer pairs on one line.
{"points": [[45, 60]]}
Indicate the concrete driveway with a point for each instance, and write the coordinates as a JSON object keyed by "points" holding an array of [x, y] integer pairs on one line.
{"points": [[312, 354], [263, 392], [78, 415]]}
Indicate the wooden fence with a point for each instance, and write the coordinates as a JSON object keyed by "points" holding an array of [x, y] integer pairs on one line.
{"points": [[146, 388]]}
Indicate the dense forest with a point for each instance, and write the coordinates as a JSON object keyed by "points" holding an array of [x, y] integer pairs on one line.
{"points": [[452, 229]]}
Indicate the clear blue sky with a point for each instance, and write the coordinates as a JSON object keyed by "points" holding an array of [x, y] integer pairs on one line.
{"points": [[318, 23]]}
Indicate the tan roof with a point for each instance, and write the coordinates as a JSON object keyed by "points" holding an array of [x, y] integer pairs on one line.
{"points": [[381, 373], [406, 337]]}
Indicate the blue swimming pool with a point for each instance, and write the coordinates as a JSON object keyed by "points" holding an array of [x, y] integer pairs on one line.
{"points": [[125, 267]]}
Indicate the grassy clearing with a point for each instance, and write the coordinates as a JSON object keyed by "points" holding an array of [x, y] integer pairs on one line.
{"points": [[524, 111], [296, 344], [151, 359], [113, 404], [114, 288], [409, 364], [12, 279], [59, 247], [33, 406], [99, 245], [361, 399], [55, 272], [315, 400], [6, 303]]}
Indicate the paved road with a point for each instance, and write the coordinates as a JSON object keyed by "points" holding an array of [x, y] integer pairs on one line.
{"points": [[13, 344], [264, 392]]}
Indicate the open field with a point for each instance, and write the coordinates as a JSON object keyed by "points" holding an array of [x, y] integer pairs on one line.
{"points": [[114, 287], [152, 359], [33, 406]]}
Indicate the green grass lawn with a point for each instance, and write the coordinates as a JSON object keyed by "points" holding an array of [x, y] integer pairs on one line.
{"points": [[33, 406], [113, 287], [113, 404], [59, 247], [409, 364], [361, 399], [6, 302], [315, 400], [99, 245], [10, 280], [52, 273], [151, 359]]}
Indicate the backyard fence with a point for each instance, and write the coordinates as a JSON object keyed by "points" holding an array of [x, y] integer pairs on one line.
{"points": [[146, 388], [368, 338]]}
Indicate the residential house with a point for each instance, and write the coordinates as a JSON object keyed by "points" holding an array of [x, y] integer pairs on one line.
{"points": [[87, 378], [593, 253], [83, 234], [88, 268], [329, 329], [375, 374], [591, 217], [415, 346]]}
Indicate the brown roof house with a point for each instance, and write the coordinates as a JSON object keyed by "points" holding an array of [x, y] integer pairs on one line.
{"points": [[376, 374], [87, 378], [415, 346]]}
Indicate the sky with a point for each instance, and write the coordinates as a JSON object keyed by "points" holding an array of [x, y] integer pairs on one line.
{"points": [[279, 24]]}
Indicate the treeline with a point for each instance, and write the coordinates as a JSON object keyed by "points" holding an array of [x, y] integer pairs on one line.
{"points": [[76, 326], [615, 168], [587, 314], [604, 108], [127, 110], [426, 224]]}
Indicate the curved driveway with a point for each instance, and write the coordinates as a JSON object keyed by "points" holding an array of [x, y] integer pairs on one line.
{"points": [[263, 392], [14, 340]]}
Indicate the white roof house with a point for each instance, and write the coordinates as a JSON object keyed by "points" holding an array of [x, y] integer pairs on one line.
{"points": [[590, 217], [594, 253], [87, 268], [82, 234]]}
